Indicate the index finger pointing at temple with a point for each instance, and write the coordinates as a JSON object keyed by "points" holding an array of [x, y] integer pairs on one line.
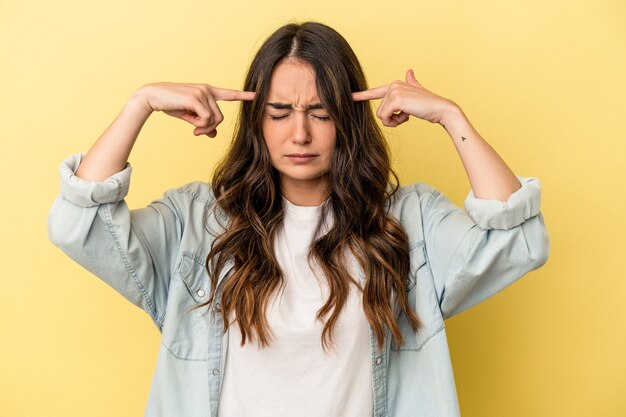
{"points": [[227, 94], [371, 94]]}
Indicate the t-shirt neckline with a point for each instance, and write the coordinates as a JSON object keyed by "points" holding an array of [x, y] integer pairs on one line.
{"points": [[302, 212]]}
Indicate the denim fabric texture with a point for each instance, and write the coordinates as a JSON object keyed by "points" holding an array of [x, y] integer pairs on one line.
{"points": [[154, 257]]}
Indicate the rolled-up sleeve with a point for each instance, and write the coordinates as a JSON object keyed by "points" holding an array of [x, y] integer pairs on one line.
{"points": [[477, 252], [133, 251], [495, 214], [92, 193]]}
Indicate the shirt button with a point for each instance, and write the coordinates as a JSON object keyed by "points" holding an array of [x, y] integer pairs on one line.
{"points": [[200, 293], [379, 360], [216, 371]]}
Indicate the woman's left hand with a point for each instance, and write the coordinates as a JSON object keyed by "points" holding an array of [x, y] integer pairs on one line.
{"points": [[403, 99]]}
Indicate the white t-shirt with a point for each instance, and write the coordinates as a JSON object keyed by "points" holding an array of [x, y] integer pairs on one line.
{"points": [[293, 376]]}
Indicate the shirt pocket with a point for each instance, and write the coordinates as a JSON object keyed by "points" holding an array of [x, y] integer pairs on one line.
{"points": [[422, 299], [185, 329]]}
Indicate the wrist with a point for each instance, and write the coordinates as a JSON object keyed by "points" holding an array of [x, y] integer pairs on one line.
{"points": [[139, 102], [452, 113]]}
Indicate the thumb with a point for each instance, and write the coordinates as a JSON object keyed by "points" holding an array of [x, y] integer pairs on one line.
{"points": [[410, 78]]}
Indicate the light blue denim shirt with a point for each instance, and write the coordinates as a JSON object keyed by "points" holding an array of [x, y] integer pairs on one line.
{"points": [[154, 256]]}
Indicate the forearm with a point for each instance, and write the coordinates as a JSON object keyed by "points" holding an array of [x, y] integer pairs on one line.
{"points": [[489, 176], [110, 152]]}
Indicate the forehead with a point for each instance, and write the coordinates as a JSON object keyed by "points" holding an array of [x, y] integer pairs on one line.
{"points": [[293, 82]]}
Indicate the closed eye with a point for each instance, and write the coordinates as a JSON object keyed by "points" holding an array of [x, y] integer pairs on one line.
{"points": [[284, 116]]}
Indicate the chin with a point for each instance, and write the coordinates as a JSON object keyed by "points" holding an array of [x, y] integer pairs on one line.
{"points": [[301, 175]]}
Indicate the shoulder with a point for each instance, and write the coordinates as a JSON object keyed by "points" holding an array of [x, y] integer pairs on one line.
{"points": [[188, 202], [196, 192], [409, 205], [409, 196]]}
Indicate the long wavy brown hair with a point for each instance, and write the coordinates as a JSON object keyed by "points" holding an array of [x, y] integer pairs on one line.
{"points": [[361, 187]]}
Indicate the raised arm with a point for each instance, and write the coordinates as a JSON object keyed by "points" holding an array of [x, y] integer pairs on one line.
{"points": [[134, 251], [500, 236], [194, 103], [489, 175]]}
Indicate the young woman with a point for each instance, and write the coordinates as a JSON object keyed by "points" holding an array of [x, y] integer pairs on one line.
{"points": [[303, 281]]}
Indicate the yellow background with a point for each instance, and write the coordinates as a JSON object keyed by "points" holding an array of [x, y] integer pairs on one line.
{"points": [[542, 82]]}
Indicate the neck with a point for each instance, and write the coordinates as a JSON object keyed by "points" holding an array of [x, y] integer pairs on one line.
{"points": [[304, 193]]}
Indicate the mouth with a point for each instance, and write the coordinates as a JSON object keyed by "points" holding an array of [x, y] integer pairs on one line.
{"points": [[300, 158]]}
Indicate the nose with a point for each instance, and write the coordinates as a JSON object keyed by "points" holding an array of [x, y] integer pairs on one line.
{"points": [[301, 134]]}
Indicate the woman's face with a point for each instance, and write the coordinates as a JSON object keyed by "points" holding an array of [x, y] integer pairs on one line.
{"points": [[298, 132]]}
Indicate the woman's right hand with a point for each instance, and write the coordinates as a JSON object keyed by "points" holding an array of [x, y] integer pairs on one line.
{"points": [[193, 103]]}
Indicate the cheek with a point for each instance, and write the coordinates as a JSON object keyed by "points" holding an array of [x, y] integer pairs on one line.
{"points": [[270, 136], [330, 139], [266, 131]]}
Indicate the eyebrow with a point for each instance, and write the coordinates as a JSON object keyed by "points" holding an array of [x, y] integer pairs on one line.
{"points": [[284, 106]]}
